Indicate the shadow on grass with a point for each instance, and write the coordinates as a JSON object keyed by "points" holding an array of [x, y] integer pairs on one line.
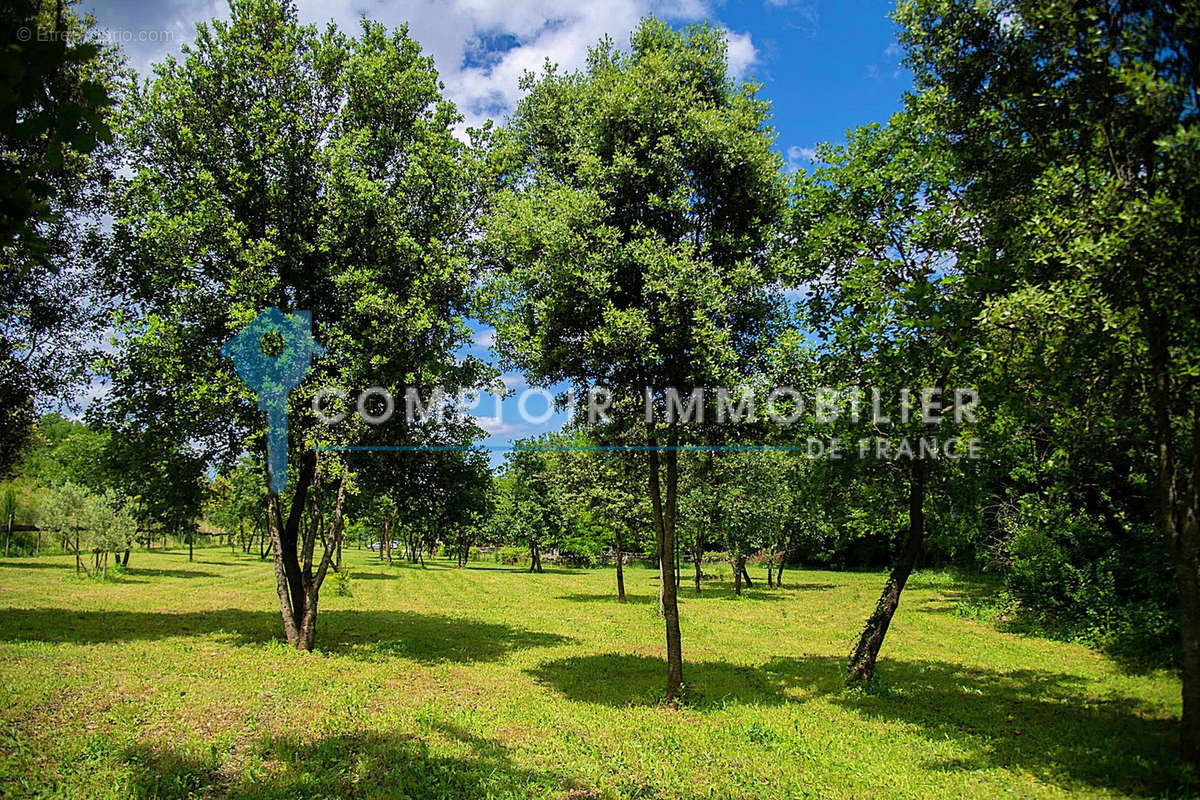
{"points": [[347, 766], [138, 572], [367, 635], [1031, 720], [127, 575], [687, 594], [610, 597], [21, 564]]}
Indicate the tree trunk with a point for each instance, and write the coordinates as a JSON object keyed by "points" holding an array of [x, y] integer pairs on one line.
{"points": [[125, 558], [78, 563], [620, 568], [770, 566], [1179, 518], [535, 560], [296, 582], [698, 558], [665, 514], [1186, 566], [862, 660], [737, 574], [387, 544], [746, 574], [289, 582], [779, 574], [191, 544]]}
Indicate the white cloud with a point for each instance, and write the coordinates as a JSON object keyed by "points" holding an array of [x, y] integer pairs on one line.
{"points": [[484, 340], [451, 31], [799, 157], [498, 427], [513, 380], [742, 54]]}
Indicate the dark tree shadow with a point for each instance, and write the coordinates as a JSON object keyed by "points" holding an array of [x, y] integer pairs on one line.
{"points": [[347, 766], [169, 573], [609, 597], [64, 567], [1031, 720], [687, 594], [368, 635]]}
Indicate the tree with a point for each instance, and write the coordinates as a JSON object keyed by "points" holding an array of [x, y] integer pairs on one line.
{"points": [[276, 165], [532, 509], [62, 512], [161, 479], [1076, 128], [110, 525], [753, 504], [236, 500], [602, 497], [628, 237], [881, 243], [54, 161]]}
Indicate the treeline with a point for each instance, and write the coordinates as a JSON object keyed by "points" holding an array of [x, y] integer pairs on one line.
{"points": [[1026, 226]]}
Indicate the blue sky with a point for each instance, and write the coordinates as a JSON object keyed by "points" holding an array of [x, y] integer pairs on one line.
{"points": [[825, 66]]}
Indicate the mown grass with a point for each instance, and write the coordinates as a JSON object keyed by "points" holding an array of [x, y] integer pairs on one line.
{"points": [[171, 682]]}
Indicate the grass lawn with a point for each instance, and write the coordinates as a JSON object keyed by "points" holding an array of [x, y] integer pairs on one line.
{"points": [[489, 682]]}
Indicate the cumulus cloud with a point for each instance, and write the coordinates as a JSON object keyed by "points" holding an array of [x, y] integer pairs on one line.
{"points": [[742, 54], [481, 47], [799, 157]]}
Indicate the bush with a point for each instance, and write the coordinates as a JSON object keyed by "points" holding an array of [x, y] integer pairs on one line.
{"points": [[1077, 578], [510, 556], [474, 554], [580, 551], [341, 583]]}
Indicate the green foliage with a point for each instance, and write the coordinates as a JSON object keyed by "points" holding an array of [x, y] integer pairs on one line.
{"points": [[341, 583], [64, 507], [294, 192], [59, 81], [1074, 133], [511, 556], [1075, 577]]}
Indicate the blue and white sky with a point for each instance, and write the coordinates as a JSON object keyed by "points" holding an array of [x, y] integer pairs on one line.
{"points": [[826, 65]]}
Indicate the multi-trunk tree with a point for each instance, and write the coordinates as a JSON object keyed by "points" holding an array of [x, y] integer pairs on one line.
{"points": [[277, 165], [628, 239]]}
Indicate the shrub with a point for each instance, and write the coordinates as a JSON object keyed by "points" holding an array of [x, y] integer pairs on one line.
{"points": [[510, 556], [341, 583], [580, 551], [1078, 578]]}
